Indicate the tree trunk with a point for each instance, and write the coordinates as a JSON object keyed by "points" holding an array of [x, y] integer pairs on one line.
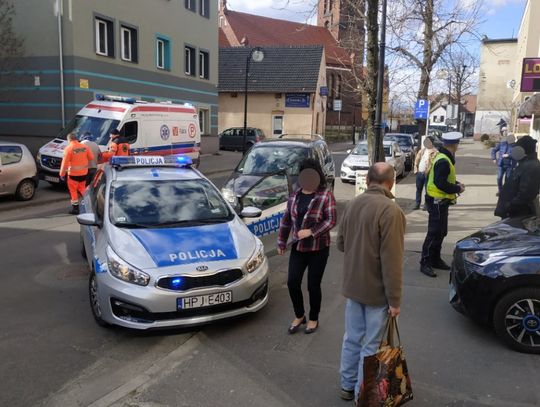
{"points": [[427, 62], [372, 64]]}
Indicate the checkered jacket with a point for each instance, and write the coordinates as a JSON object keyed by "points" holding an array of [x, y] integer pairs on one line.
{"points": [[321, 217]]}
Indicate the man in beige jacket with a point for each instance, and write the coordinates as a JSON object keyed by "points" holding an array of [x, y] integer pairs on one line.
{"points": [[371, 234]]}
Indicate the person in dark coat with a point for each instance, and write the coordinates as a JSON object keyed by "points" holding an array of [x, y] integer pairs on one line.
{"points": [[520, 193]]}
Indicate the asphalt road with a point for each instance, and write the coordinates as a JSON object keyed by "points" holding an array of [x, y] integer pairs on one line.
{"points": [[53, 354]]}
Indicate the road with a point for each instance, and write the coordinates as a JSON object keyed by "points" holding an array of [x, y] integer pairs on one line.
{"points": [[53, 354]]}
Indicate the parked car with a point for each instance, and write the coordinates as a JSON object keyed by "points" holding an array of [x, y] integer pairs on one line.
{"points": [[495, 280], [18, 171], [268, 174], [408, 147], [164, 248], [233, 138], [358, 159]]}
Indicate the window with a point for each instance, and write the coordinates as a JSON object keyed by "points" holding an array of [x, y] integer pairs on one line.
{"points": [[204, 65], [128, 43], [10, 155], [204, 8], [189, 56], [221, 21], [130, 131], [163, 57], [97, 194], [191, 5], [104, 30], [203, 121], [258, 196]]}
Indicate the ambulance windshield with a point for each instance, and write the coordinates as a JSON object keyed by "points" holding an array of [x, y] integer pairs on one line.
{"points": [[95, 128]]}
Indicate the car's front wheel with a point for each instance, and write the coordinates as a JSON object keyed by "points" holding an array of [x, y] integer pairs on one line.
{"points": [[25, 190], [517, 319], [94, 300]]}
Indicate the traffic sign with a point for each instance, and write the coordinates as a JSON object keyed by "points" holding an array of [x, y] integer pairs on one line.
{"points": [[421, 110], [337, 105]]}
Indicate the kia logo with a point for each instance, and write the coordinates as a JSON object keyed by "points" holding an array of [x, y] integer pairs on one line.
{"points": [[532, 323], [202, 268]]}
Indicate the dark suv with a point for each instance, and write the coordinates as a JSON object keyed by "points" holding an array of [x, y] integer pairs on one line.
{"points": [[280, 155], [233, 138]]}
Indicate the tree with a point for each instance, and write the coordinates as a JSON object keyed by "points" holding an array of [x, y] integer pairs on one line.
{"points": [[443, 23], [11, 44]]}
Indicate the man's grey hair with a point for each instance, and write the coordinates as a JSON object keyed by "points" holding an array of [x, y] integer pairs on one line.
{"points": [[72, 136], [380, 173]]}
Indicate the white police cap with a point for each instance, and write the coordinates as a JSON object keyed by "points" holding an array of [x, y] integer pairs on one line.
{"points": [[452, 137]]}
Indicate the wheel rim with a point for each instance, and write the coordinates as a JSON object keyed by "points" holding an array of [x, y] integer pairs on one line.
{"points": [[94, 299], [523, 322], [26, 190]]}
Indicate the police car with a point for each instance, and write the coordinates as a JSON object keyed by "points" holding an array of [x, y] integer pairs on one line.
{"points": [[165, 249]]}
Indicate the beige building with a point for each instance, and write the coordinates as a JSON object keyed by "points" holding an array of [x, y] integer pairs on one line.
{"points": [[495, 94], [286, 91]]}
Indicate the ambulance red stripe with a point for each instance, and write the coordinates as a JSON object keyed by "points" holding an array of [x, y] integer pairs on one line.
{"points": [[109, 108], [163, 109]]}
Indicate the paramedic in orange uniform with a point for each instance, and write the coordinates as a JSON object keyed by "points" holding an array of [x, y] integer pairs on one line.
{"points": [[75, 163], [118, 146]]}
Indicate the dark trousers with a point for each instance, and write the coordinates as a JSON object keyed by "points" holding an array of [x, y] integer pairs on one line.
{"points": [[437, 231], [315, 262], [421, 181], [503, 171], [90, 175]]}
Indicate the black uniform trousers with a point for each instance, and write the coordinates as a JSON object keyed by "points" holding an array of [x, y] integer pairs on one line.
{"points": [[437, 231]]}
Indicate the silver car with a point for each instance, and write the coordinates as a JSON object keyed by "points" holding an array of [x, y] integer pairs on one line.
{"points": [[18, 171], [165, 249]]}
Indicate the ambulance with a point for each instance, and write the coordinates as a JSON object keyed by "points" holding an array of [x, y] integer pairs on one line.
{"points": [[151, 129]]}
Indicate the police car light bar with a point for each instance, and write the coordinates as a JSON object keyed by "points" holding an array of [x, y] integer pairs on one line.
{"points": [[152, 161]]}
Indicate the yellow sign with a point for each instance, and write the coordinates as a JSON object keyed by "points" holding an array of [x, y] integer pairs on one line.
{"points": [[84, 83]]}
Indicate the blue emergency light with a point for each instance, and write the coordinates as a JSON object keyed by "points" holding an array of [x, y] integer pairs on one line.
{"points": [[151, 161], [108, 98]]}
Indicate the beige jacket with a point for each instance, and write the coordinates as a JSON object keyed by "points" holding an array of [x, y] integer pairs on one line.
{"points": [[371, 234], [432, 154]]}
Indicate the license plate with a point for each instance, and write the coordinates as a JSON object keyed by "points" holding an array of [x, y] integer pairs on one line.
{"points": [[201, 301], [52, 179]]}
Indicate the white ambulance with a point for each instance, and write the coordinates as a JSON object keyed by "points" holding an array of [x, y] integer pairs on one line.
{"points": [[151, 129]]}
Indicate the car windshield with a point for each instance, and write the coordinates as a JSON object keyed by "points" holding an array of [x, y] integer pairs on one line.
{"points": [[99, 129], [362, 149], [140, 204], [403, 141], [272, 159]]}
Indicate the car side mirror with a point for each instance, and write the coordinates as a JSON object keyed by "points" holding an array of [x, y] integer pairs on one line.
{"points": [[250, 212], [349, 151], [88, 219]]}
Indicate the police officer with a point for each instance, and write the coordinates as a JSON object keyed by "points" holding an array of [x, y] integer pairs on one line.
{"points": [[442, 189], [119, 146], [75, 164]]}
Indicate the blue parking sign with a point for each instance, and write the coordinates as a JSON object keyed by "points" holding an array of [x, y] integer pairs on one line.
{"points": [[421, 110]]}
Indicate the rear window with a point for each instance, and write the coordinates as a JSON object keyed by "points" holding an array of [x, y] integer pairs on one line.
{"points": [[10, 155]]}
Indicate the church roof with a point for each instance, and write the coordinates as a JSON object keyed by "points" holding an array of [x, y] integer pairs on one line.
{"points": [[265, 31]]}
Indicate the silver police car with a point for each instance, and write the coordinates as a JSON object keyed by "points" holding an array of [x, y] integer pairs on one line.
{"points": [[165, 249]]}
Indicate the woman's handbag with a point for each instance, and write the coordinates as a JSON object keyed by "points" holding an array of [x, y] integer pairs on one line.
{"points": [[386, 378]]}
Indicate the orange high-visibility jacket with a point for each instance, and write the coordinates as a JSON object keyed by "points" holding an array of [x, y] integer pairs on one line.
{"points": [[76, 159], [115, 149]]}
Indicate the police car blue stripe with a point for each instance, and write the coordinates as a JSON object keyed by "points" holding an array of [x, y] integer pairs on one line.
{"points": [[181, 246], [266, 226]]}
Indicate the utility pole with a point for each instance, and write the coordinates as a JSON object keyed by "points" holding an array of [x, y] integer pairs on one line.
{"points": [[379, 151]]}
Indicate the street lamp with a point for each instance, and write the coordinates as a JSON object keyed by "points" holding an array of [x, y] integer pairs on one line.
{"points": [[379, 156], [257, 55]]}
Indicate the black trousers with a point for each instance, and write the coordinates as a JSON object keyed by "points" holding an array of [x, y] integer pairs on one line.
{"points": [[437, 231], [315, 262], [90, 175]]}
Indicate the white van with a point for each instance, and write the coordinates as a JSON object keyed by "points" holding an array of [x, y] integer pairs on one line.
{"points": [[151, 128]]}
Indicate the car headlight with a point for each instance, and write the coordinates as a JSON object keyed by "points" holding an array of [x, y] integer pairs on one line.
{"points": [[229, 196], [484, 257], [257, 259], [123, 271]]}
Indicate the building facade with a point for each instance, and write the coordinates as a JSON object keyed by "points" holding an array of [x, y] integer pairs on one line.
{"points": [[150, 50], [284, 90], [498, 62], [337, 31]]}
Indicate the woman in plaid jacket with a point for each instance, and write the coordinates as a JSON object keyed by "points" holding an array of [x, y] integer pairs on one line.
{"points": [[310, 215]]}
